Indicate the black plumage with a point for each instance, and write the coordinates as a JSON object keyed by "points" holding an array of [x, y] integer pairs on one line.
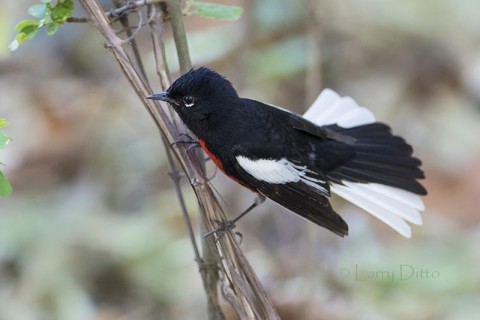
{"points": [[230, 127]]}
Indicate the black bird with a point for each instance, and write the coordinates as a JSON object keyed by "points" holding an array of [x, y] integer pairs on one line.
{"points": [[297, 161]]}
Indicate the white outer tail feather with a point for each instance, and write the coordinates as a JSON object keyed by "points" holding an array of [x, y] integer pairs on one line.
{"points": [[391, 205], [330, 108]]}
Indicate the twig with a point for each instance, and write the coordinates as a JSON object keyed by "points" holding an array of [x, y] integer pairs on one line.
{"points": [[247, 296], [129, 6], [179, 35], [158, 45], [78, 20], [124, 20], [119, 11], [175, 175], [211, 274], [163, 74]]}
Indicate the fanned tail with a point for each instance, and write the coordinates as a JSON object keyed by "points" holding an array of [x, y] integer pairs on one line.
{"points": [[382, 177]]}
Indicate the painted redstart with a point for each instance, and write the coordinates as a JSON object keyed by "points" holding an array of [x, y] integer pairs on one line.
{"points": [[297, 161]]}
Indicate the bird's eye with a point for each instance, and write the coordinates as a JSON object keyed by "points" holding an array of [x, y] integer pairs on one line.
{"points": [[188, 101]]}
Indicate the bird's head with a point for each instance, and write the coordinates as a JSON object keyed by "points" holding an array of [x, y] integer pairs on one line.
{"points": [[198, 94]]}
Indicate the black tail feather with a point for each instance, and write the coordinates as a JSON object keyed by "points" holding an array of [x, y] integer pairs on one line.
{"points": [[376, 129], [387, 169], [380, 157]]}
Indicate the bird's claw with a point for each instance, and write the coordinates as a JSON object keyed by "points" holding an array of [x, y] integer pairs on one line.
{"points": [[188, 140], [225, 226]]}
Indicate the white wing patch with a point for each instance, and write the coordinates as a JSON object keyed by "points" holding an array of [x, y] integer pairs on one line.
{"points": [[280, 172], [330, 108]]}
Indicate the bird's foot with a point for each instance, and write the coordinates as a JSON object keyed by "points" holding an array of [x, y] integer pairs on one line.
{"points": [[224, 226], [188, 140]]}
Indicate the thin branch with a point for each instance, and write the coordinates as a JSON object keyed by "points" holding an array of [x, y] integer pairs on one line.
{"points": [[209, 274], [78, 20], [246, 294], [159, 46], [179, 35], [155, 12], [175, 175], [129, 6], [125, 21], [119, 11]]}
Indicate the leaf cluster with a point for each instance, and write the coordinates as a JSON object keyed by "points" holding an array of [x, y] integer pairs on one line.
{"points": [[49, 15]]}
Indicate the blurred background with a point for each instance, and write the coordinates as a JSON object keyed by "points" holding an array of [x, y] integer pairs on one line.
{"points": [[93, 229]]}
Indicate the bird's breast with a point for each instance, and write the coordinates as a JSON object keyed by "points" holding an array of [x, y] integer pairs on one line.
{"points": [[224, 167], [212, 156]]}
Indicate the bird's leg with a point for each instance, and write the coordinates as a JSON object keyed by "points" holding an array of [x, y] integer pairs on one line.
{"points": [[230, 224], [258, 201], [215, 170]]}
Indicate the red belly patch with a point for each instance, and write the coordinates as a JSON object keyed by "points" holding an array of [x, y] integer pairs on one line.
{"points": [[211, 155], [218, 163]]}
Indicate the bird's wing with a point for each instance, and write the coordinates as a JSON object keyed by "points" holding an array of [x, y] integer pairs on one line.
{"points": [[293, 186], [301, 124]]}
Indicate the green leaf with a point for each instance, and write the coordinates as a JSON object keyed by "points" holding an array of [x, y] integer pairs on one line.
{"points": [[22, 37], [5, 186], [37, 11], [218, 11], [52, 27], [62, 11], [27, 29], [4, 139], [46, 1], [25, 25], [3, 123]]}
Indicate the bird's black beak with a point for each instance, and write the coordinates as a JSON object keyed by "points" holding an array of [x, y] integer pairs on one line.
{"points": [[163, 96]]}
